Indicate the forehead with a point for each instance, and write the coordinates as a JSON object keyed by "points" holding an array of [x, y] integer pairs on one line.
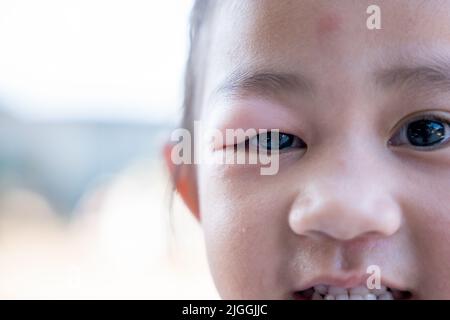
{"points": [[319, 38]]}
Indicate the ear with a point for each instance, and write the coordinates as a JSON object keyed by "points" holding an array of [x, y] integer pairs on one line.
{"points": [[184, 179]]}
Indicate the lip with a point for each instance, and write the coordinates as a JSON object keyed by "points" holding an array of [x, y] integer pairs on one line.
{"points": [[350, 281]]}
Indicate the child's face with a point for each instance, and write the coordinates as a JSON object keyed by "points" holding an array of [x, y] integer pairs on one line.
{"points": [[372, 184]]}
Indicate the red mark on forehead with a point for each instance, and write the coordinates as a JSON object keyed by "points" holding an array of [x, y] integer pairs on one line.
{"points": [[328, 23]]}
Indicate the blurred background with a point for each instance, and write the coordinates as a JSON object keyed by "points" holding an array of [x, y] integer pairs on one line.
{"points": [[89, 92]]}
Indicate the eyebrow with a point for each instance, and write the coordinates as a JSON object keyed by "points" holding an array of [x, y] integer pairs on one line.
{"points": [[429, 76], [432, 75], [265, 83]]}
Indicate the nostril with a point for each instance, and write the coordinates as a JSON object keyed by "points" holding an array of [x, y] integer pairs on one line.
{"points": [[344, 219]]}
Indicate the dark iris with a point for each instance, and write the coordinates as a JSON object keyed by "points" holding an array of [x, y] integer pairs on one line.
{"points": [[285, 140], [423, 133]]}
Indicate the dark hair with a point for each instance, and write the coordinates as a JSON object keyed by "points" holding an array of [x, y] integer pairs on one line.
{"points": [[200, 13], [193, 73]]}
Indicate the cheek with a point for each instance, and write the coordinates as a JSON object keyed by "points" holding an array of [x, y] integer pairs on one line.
{"points": [[427, 215], [243, 232]]}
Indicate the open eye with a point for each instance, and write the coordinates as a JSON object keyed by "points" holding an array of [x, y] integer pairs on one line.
{"points": [[267, 141], [427, 132]]}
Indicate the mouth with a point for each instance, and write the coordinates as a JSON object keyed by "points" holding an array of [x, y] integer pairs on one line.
{"points": [[329, 292]]}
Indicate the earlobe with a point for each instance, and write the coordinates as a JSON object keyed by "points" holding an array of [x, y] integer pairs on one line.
{"points": [[184, 179]]}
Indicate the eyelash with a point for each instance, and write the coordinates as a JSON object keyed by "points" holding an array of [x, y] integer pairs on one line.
{"points": [[401, 133], [296, 143]]}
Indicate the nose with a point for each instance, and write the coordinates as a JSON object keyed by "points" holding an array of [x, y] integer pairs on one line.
{"points": [[345, 210]]}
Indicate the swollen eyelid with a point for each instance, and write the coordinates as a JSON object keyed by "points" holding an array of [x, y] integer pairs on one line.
{"points": [[276, 141]]}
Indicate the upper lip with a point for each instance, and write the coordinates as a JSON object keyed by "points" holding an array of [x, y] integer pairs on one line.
{"points": [[349, 281]]}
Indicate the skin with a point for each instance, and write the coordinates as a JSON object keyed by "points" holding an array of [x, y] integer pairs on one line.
{"points": [[350, 199]]}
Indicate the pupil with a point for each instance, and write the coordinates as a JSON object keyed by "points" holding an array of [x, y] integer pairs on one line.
{"points": [[424, 133]]}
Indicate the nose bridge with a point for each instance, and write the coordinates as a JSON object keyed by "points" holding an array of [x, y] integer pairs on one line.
{"points": [[347, 195]]}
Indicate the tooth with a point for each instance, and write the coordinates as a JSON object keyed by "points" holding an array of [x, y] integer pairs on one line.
{"points": [[342, 296], [370, 296], [329, 297], [356, 297], [317, 296], [380, 291], [321, 288], [361, 290], [386, 296], [336, 290]]}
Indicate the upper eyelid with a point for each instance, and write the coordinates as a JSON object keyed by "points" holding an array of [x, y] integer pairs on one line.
{"points": [[427, 116], [430, 116], [437, 115], [279, 132], [257, 134]]}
